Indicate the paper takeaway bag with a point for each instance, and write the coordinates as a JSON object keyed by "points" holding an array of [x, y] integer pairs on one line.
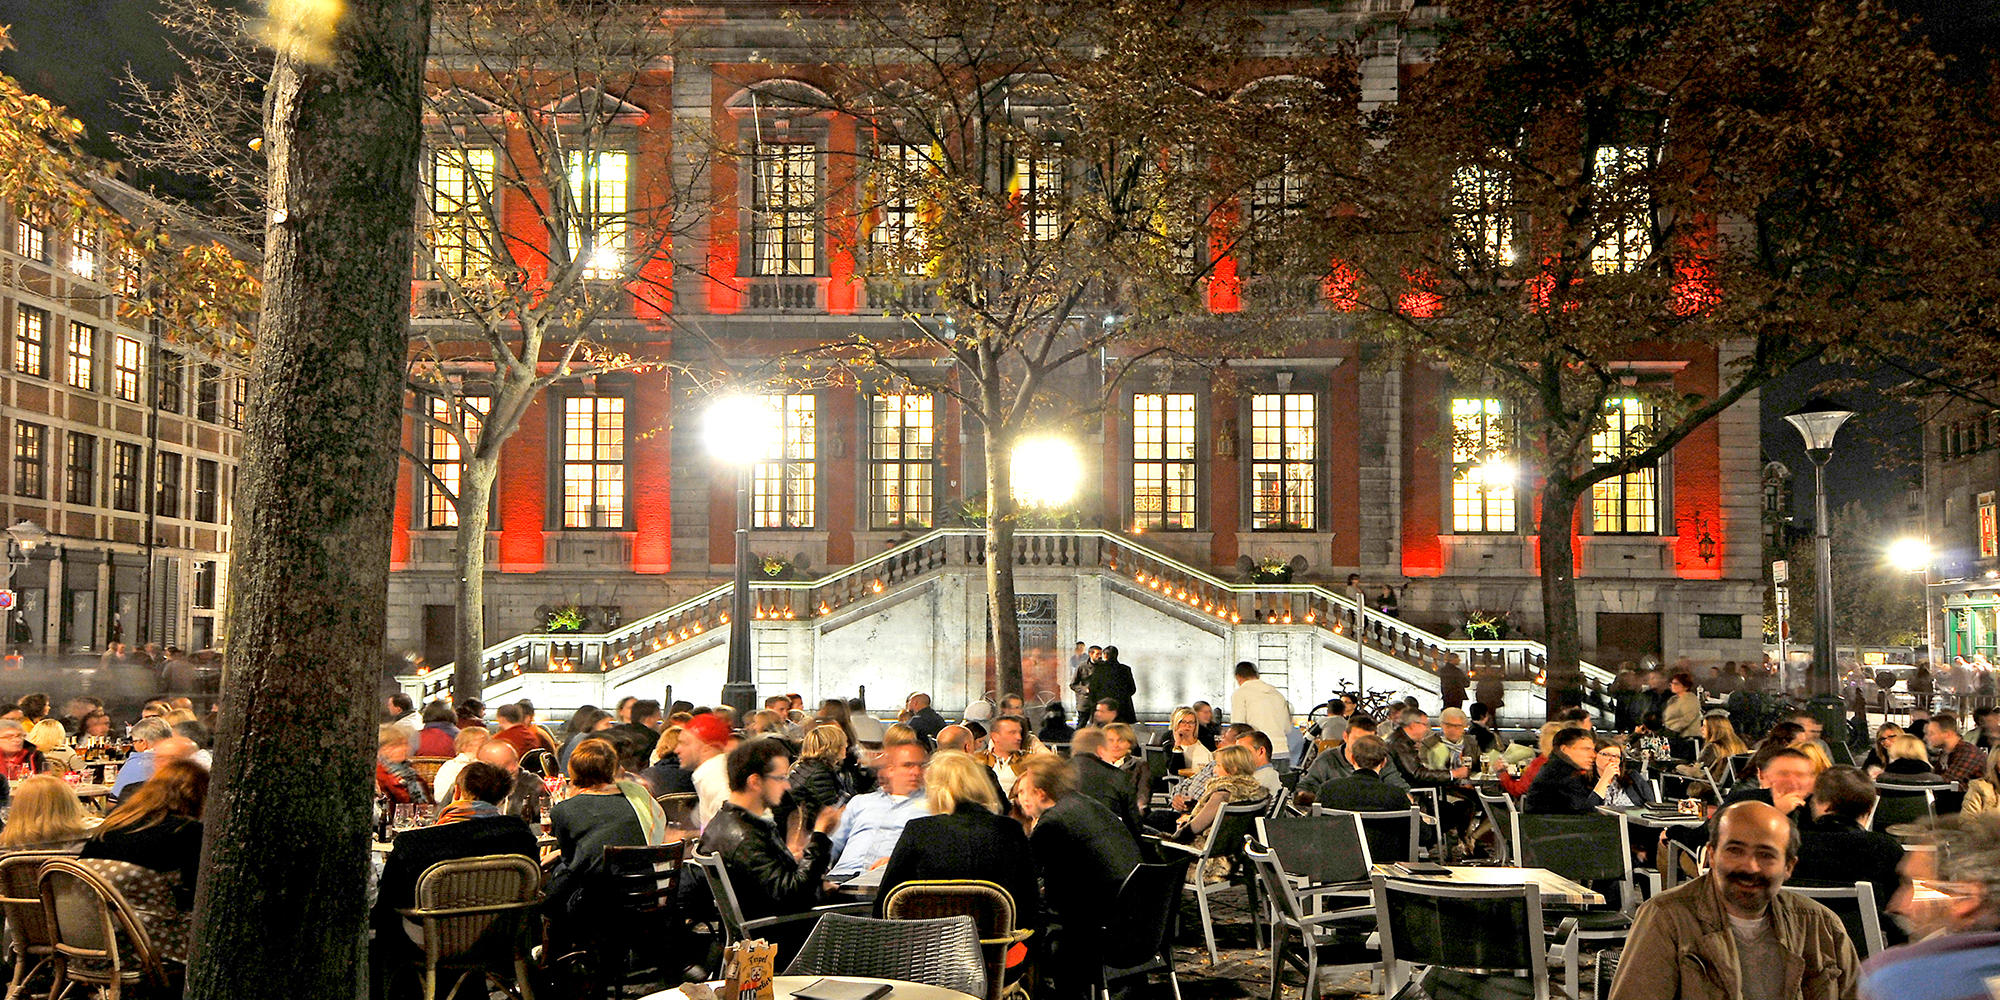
{"points": [[750, 965]]}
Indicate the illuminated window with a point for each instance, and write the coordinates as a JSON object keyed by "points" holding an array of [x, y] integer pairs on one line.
{"points": [[600, 181], [783, 485], [1482, 485], [80, 470], [1038, 182], [898, 237], [1627, 504], [125, 459], [784, 209], [1625, 237], [81, 370], [83, 253], [1284, 467], [31, 240], [594, 462], [461, 198], [1163, 462], [207, 490], [128, 362], [30, 441], [131, 276], [31, 341], [902, 432], [447, 457], [167, 486], [1482, 228]]}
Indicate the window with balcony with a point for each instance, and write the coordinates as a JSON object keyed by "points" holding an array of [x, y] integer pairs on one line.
{"points": [[207, 491], [601, 182], [1628, 504], [594, 462], [31, 240], [1482, 482], [901, 468], [784, 209], [1284, 461], [1481, 216], [1163, 461], [1624, 237], [83, 260], [784, 487], [125, 464], [460, 211], [31, 341], [81, 369], [167, 486], [447, 457], [30, 452], [897, 239], [1038, 186], [80, 471], [128, 365]]}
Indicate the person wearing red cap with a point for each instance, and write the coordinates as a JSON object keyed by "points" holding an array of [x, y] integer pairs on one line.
{"points": [[705, 741]]}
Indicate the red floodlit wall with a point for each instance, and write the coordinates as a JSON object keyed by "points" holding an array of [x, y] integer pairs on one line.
{"points": [[523, 492], [1697, 484], [1343, 457], [1423, 477], [399, 537], [649, 461]]}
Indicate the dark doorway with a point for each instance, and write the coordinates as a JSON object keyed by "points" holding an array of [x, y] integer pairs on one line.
{"points": [[1622, 637], [1041, 661], [440, 634]]}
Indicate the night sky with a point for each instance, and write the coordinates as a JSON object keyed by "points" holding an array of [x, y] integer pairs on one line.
{"points": [[72, 51]]}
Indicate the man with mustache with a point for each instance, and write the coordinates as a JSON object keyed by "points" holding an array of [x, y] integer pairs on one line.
{"points": [[1731, 933]]}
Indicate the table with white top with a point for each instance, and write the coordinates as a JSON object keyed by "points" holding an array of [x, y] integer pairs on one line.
{"points": [[782, 987], [1554, 888]]}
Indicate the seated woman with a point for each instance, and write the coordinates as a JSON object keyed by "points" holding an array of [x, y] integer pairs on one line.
{"points": [[1909, 764], [1234, 782], [395, 779], [52, 740], [150, 849], [18, 757], [1185, 752], [1719, 742], [46, 816], [965, 837], [600, 812], [1878, 753], [1120, 742], [1982, 794], [820, 778]]}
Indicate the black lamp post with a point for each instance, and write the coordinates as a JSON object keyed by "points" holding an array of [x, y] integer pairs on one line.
{"points": [[1817, 422], [739, 434]]}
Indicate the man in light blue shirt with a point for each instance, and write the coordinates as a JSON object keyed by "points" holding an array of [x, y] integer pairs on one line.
{"points": [[872, 823], [139, 767]]}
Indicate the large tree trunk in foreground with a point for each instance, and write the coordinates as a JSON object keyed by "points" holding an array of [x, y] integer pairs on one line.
{"points": [[475, 500], [1559, 631], [280, 908]]}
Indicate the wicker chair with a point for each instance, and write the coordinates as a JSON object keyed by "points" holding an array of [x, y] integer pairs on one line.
{"points": [[943, 952], [28, 927], [989, 905], [474, 913], [94, 936], [427, 769]]}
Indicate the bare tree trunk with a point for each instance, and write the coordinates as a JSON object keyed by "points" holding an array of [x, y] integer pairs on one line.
{"points": [[1001, 513], [475, 500], [1558, 558], [285, 856]]}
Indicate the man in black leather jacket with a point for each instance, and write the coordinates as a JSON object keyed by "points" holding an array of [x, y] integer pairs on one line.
{"points": [[768, 880]]}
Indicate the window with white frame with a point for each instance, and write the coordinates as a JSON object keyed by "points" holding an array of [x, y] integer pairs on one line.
{"points": [[1038, 183], [898, 238], [128, 365], [1624, 237], [902, 432], [601, 182], [206, 582], [1482, 484], [594, 462], [80, 470], [460, 210], [30, 452], [1284, 461], [125, 465], [447, 456], [784, 487], [31, 341], [1482, 223], [167, 486], [83, 261], [31, 240], [784, 209], [207, 490], [1627, 504], [1163, 461], [81, 369], [131, 275]]}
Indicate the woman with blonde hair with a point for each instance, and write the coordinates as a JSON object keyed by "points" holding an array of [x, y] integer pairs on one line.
{"points": [[1820, 761], [1909, 764], [1719, 742], [965, 837], [46, 815], [1982, 794], [52, 740], [1185, 751], [1234, 782]]}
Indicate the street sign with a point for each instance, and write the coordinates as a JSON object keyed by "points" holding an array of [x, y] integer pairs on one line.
{"points": [[6, 600], [1781, 571]]}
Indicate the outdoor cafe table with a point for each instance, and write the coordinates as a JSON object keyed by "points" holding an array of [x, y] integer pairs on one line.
{"points": [[1554, 888], [1654, 820], [782, 987]]}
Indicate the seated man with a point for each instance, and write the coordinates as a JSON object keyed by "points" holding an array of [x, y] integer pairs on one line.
{"points": [[1364, 790], [470, 825], [1337, 761], [467, 743], [1953, 922], [768, 880], [138, 767], [1453, 744], [1576, 776], [872, 823], [1835, 850], [1083, 854], [1259, 745], [1113, 788]]}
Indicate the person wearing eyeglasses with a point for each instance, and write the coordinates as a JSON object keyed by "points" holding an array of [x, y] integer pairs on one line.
{"points": [[768, 879], [1577, 778], [1949, 903]]}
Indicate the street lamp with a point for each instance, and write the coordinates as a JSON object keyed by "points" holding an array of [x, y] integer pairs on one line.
{"points": [[1912, 555], [1046, 472], [1817, 422], [22, 540], [739, 432]]}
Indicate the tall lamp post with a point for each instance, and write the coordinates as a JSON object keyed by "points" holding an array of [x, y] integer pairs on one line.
{"points": [[739, 434], [1817, 422], [21, 542], [1913, 555]]}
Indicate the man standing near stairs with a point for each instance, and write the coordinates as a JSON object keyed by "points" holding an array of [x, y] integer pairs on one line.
{"points": [[1265, 709]]}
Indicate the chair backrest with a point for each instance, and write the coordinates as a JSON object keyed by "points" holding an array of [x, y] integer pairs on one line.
{"points": [[1739, 767], [540, 761], [1277, 882], [21, 900], [942, 952], [1855, 905], [1160, 765], [1683, 747], [1947, 801], [1144, 911], [1840, 752], [1500, 810], [427, 769], [475, 906], [91, 925], [716, 874], [990, 906], [1324, 848], [643, 879], [679, 808], [1392, 835], [1232, 824], [1484, 928], [1589, 848], [1905, 804]]}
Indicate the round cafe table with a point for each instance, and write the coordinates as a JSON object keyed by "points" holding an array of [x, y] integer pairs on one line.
{"points": [[782, 987]]}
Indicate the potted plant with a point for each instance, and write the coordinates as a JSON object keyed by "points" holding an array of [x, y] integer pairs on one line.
{"points": [[1486, 624], [568, 618], [1271, 569]]}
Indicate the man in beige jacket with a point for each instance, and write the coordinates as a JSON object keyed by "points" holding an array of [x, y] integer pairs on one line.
{"points": [[1731, 934]]}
